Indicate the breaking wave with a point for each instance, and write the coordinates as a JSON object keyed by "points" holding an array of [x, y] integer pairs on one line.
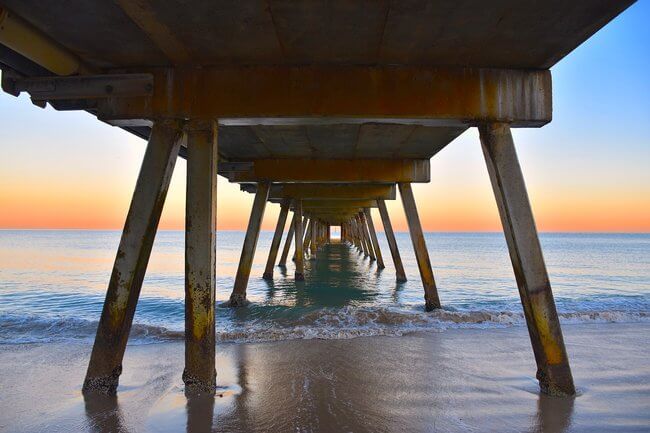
{"points": [[327, 323]]}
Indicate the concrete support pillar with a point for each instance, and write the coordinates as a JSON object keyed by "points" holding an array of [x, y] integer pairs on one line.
{"points": [[329, 233], [400, 275], [277, 238], [366, 236], [553, 371], [305, 220], [360, 234], [357, 234], [238, 296], [307, 241], [300, 269], [431, 298], [313, 235], [130, 264], [287, 242], [373, 238], [200, 256]]}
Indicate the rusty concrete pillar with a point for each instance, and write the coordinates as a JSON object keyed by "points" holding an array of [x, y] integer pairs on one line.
{"points": [[200, 256], [132, 257], [373, 238], [277, 238], [357, 234], [313, 235], [431, 298], [238, 296], [362, 243], [307, 240], [305, 220], [553, 370], [287, 242], [300, 269], [329, 233], [400, 275], [366, 236]]}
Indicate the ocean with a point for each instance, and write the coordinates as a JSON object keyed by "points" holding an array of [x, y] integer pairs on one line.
{"points": [[53, 282]]}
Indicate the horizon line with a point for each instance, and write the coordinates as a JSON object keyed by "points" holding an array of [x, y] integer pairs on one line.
{"points": [[5, 229]]}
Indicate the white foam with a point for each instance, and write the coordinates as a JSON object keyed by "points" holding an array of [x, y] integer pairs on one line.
{"points": [[327, 323]]}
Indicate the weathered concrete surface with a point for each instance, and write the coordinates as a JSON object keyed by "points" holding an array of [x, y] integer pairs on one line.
{"points": [[200, 256], [307, 240], [159, 33], [400, 275], [431, 298], [553, 369], [305, 221], [322, 191], [287, 242], [313, 238], [333, 204], [300, 269], [453, 96], [336, 170], [361, 231], [238, 296], [277, 238], [132, 257], [373, 238], [366, 236]]}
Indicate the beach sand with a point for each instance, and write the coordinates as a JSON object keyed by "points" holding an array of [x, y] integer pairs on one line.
{"points": [[476, 380]]}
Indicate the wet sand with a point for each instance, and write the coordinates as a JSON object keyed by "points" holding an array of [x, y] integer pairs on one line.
{"points": [[451, 381]]}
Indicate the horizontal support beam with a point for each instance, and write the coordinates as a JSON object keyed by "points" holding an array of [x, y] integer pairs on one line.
{"points": [[337, 204], [234, 167], [82, 86], [325, 191], [455, 96], [336, 171], [341, 215]]}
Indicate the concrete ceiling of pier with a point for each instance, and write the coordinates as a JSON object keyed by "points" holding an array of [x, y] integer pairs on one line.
{"points": [[513, 34]]}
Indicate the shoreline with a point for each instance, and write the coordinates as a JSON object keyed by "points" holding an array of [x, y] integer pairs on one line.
{"points": [[319, 323], [457, 380]]}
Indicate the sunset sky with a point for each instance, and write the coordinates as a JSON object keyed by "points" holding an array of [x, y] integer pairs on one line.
{"points": [[588, 170]]}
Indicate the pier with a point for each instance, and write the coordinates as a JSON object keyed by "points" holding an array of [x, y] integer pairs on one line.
{"points": [[325, 109]]}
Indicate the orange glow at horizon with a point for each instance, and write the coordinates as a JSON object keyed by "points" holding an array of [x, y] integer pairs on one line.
{"points": [[54, 178], [104, 206]]}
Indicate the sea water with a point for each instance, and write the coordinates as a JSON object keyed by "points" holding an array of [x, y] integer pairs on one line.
{"points": [[53, 283]]}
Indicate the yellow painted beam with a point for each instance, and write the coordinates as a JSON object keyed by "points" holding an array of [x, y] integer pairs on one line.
{"points": [[454, 96], [24, 39]]}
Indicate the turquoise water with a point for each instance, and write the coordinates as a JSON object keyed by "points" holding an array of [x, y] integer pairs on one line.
{"points": [[52, 286]]}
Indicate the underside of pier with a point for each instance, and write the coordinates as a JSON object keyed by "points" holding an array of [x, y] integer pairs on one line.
{"points": [[324, 108]]}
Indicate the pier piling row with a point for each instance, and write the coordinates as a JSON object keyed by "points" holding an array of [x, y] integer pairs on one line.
{"points": [[327, 134]]}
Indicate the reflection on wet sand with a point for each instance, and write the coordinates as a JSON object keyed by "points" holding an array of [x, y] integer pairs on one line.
{"points": [[200, 410], [454, 381], [554, 415], [104, 414]]}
